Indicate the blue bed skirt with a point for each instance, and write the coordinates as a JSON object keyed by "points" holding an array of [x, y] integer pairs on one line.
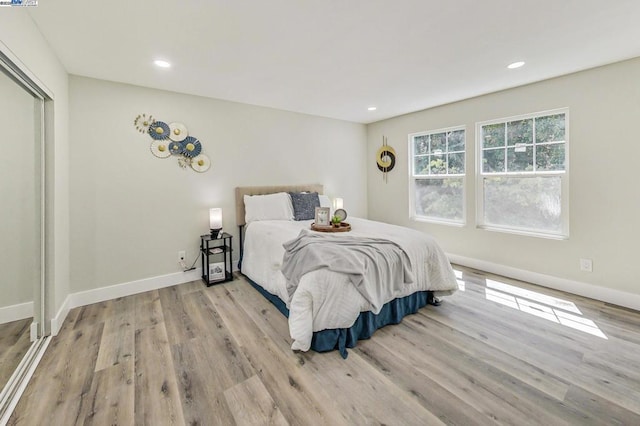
{"points": [[366, 324]]}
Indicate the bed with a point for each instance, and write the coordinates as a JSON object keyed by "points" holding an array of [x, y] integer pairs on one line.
{"points": [[327, 308]]}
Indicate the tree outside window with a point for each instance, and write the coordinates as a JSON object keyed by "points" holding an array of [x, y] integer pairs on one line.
{"points": [[438, 172], [523, 179]]}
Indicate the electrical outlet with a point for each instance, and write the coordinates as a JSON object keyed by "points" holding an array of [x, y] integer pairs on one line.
{"points": [[182, 256], [586, 265]]}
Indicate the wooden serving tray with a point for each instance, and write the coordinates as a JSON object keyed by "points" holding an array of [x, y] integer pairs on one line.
{"points": [[344, 227]]}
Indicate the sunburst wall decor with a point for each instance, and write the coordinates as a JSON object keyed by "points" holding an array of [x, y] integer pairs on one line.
{"points": [[385, 158]]}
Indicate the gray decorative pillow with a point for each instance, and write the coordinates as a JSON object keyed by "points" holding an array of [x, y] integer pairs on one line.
{"points": [[304, 205]]}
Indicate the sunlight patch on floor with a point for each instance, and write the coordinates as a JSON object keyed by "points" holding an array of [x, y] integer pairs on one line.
{"points": [[542, 306], [461, 284], [532, 295]]}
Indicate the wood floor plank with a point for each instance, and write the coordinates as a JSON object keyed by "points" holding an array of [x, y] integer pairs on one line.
{"points": [[599, 411], [280, 374], [11, 332], [92, 315], [208, 365], [217, 344], [489, 386], [68, 375], [118, 336], [148, 309], [274, 326], [460, 342], [201, 393], [190, 287], [69, 322], [14, 344], [362, 382], [525, 326], [569, 365], [111, 397], [157, 398], [251, 404], [48, 371], [222, 355], [270, 321], [177, 319], [618, 363], [476, 390], [368, 403], [444, 404]]}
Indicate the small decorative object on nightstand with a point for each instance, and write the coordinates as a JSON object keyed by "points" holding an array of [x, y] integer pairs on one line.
{"points": [[217, 266]]}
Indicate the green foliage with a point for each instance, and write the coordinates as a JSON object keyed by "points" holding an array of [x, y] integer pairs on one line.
{"points": [[510, 147], [439, 153], [493, 135], [437, 166], [440, 198], [523, 146], [550, 128], [526, 202], [520, 131]]}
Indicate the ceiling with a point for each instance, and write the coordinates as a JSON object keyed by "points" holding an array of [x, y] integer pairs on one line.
{"points": [[336, 58]]}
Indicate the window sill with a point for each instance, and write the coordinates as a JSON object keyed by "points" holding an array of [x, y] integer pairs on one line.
{"points": [[438, 221], [523, 232]]}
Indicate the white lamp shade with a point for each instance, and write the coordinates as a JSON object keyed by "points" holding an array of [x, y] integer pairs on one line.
{"points": [[338, 203], [215, 218]]}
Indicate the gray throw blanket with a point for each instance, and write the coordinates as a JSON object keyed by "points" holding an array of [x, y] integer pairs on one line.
{"points": [[378, 268]]}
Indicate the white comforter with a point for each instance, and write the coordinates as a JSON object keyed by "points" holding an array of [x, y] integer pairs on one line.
{"points": [[326, 299]]}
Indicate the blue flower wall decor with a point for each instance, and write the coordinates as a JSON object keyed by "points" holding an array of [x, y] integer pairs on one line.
{"points": [[192, 147], [159, 130], [173, 140]]}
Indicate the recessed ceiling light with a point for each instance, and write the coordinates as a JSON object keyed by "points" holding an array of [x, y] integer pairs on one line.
{"points": [[162, 64], [372, 108], [515, 65]]}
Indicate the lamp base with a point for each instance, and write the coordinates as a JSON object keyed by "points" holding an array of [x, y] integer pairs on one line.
{"points": [[215, 233]]}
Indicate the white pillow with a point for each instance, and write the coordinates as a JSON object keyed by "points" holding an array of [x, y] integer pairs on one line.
{"points": [[268, 207], [324, 201]]}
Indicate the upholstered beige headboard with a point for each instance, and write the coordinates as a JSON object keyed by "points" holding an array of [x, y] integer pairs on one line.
{"points": [[241, 191]]}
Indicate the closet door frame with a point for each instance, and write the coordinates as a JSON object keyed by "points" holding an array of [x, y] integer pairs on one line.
{"points": [[11, 66]]}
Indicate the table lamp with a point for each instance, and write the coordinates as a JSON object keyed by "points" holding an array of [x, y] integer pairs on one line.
{"points": [[215, 222], [337, 203]]}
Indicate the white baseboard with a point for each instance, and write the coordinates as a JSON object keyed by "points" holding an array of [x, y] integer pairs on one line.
{"points": [[16, 312], [604, 294], [102, 294], [56, 322]]}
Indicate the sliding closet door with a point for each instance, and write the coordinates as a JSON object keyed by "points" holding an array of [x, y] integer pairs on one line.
{"points": [[20, 220]]}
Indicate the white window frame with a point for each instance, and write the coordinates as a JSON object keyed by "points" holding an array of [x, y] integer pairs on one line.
{"points": [[413, 177], [563, 174]]}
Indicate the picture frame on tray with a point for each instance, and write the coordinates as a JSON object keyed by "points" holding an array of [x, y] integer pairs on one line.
{"points": [[323, 216]]}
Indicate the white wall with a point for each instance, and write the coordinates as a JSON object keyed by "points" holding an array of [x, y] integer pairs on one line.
{"points": [[604, 108], [20, 38], [131, 212]]}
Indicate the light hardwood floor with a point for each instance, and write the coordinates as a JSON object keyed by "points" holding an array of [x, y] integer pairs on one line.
{"points": [[491, 354], [14, 344]]}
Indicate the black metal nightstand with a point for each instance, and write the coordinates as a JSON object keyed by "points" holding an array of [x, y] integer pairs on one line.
{"points": [[217, 266]]}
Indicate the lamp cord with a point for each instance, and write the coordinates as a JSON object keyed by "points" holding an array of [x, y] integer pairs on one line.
{"points": [[193, 265]]}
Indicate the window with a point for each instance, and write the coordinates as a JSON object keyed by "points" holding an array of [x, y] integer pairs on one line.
{"points": [[437, 177], [522, 179]]}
